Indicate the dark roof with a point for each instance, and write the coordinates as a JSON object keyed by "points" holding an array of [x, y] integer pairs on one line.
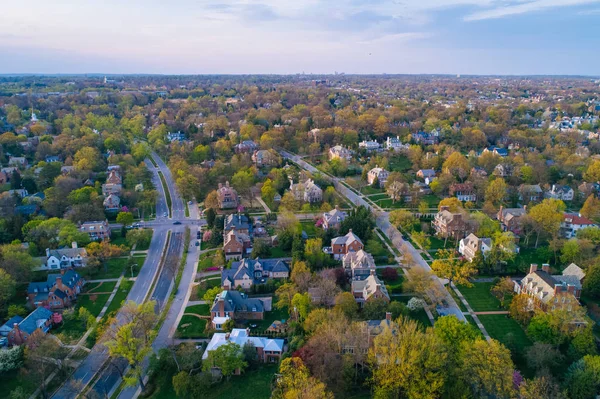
{"points": [[70, 279], [548, 279], [238, 302], [26, 210], [237, 222], [11, 322], [249, 265], [30, 324]]}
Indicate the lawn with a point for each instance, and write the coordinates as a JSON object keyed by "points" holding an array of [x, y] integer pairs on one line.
{"points": [[117, 239], [145, 246], [479, 297], [210, 283], [277, 252], [309, 227], [382, 255], [112, 268], [399, 164], [202, 310], [120, 296], [419, 316], [94, 303], [191, 327], [166, 191], [438, 243], [270, 317], [208, 259], [498, 326], [367, 190], [100, 287], [253, 384], [526, 256], [394, 286]]}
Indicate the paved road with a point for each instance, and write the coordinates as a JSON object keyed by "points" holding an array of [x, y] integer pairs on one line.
{"points": [[140, 290], [382, 221]]}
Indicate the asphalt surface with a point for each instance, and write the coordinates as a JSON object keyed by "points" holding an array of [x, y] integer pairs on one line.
{"points": [[93, 363], [383, 222]]}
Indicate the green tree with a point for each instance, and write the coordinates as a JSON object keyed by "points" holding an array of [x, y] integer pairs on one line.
{"points": [[591, 283], [301, 304], [592, 173], [125, 218], [374, 309], [243, 180], [227, 358], [403, 219], [548, 216], [210, 294], [295, 382], [8, 288], [450, 267], [591, 208], [583, 378], [346, 304], [496, 191]]}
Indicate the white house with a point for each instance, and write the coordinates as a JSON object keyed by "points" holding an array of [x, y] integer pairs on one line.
{"points": [[268, 350], [394, 144], [572, 222], [370, 145], [564, 193], [469, 246], [65, 257]]}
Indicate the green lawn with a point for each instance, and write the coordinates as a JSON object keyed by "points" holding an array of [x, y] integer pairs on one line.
{"points": [[270, 317], [210, 283], [112, 268], [166, 190], [479, 297], [419, 316], [191, 327], [202, 310], [523, 260], [438, 243], [208, 259], [93, 303], [309, 227], [117, 239], [100, 287], [145, 247], [120, 296], [399, 163], [277, 252], [394, 287], [498, 326], [253, 384], [367, 190]]}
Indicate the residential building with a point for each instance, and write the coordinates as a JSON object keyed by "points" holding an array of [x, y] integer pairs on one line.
{"points": [[52, 158], [502, 152], [19, 162], [377, 174], [236, 245], [510, 218], [9, 325], [552, 291], [370, 145], [425, 138], [307, 191], [564, 193], [114, 177], [67, 169], [368, 289], [503, 170], [97, 230], [19, 192], [265, 158], [471, 244], [112, 203], [376, 327], [340, 246], [333, 219], [246, 146], [340, 152], [464, 191], [64, 258], [57, 292], [426, 173], [530, 193], [175, 136], [573, 222], [248, 272], [394, 144], [110, 188], [4, 178], [358, 265], [231, 304], [449, 225], [268, 350], [227, 196], [477, 171], [38, 322], [238, 222]]}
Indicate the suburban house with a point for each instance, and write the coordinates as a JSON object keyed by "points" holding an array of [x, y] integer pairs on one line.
{"points": [[394, 144], [448, 224], [19, 162], [238, 222], [52, 158], [358, 265], [376, 327], [340, 246], [307, 191], [477, 171], [426, 138], [248, 272], [469, 246], [114, 177], [572, 222], [9, 325], [530, 193], [564, 193], [97, 230], [63, 258], [268, 350], [377, 174], [333, 219], [236, 245], [368, 289], [503, 170], [552, 291], [37, 322], [246, 146], [463, 191], [227, 196], [502, 152], [231, 304], [370, 145], [19, 192], [57, 292], [264, 158], [340, 152], [426, 174], [112, 203], [175, 136], [510, 218], [111, 188]]}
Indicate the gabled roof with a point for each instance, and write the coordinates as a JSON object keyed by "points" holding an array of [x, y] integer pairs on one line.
{"points": [[346, 240], [249, 266], [237, 301], [577, 219], [574, 270], [241, 337], [10, 323], [237, 221], [35, 319]]}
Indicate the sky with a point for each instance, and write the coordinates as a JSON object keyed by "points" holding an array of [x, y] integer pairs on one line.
{"points": [[507, 37]]}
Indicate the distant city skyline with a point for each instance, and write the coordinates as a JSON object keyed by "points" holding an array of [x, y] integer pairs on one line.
{"points": [[479, 37]]}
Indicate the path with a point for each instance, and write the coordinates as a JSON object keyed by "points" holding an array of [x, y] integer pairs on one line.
{"points": [[201, 317], [493, 312], [263, 203], [471, 312]]}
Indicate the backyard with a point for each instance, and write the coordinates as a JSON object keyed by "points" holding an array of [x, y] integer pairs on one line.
{"points": [[479, 297], [210, 259]]}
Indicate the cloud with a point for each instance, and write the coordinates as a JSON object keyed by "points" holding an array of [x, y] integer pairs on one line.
{"points": [[517, 8]]}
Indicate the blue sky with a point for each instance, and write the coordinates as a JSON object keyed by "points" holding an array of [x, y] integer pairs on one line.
{"points": [[292, 36]]}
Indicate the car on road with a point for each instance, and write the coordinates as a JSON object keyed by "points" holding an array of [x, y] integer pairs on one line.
{"points": [[165, 214], [197, 243], [177, 222], [189, 202]]}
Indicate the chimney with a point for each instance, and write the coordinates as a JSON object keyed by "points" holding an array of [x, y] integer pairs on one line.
{"points": [[247, 331], [571, 289], [546, 268], [533, 267], [388, 316], [501, 208], [558, 289], [62, 272], [525, 207], [58, 280], [48, 252], [227, 183], [444, 208], [74, 244], [337, 207], [221, 307], [349, 231], [554, 187]]}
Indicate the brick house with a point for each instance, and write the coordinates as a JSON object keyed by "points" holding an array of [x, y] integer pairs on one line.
{"points": [[265, 158], [379, 174], [231, 304], [248, 272], [97, 230], [227, 196], [38, 322], [369, 289], [463, 191], [114, 177], [551, 292], [59, 291], [340, 246], [268, 350], [510, 218], [236, 245], [449, 225]]}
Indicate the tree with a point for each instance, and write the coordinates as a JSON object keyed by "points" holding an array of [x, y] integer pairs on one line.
{"points": [[212, 200], [8, 288], [457, 165], [407, 362], [16, 262], [313, 253], [453, 204], [87, 319], [16, 310], [403, 219], [591, 283], [243, 180], [504, 288], [11, 359], [210, 294], [360, 221], [421, 238], [284, 295], [583, 378], [346, 304], [125, 218], [139, 237], [543, 357], [301, 275], [540, 387], [295, 382], [227, 358], [455, 334], [521, 309], [454, 269], [592, 174], [43, 356], [102, 251], [548, 216], [288, 202], [187, 385], [496, 191], [87, 159], [267, 191], [591, 208], [488, 369], [374, 309], [301, 304]]}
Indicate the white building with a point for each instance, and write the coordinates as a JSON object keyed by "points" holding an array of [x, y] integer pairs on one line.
{"points": [[370, 145], [469, 246], [394, 144], [378, 173], [564, 193], [573, 222]]}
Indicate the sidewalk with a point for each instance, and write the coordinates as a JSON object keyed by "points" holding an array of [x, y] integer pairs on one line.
{"points": [[471, 312]]}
